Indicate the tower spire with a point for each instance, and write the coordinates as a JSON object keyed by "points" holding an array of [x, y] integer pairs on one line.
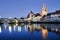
{"points": [[44, 10]]}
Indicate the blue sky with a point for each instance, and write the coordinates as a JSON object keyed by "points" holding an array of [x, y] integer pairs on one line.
{"points": [[21, 8]]}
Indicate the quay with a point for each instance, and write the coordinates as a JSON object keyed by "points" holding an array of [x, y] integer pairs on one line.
{"points": [[33, 22]]}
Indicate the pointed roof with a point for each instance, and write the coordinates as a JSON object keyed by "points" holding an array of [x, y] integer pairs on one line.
{"points": [[44, 8], [31, 12]]}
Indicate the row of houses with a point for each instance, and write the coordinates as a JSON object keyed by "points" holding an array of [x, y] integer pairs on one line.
{"points": [[54, 16], [44, 15]]}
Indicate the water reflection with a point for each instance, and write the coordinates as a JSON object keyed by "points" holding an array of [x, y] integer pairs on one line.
{"points": [[43, 28], [5, 25], [39, 27], [26, 27], [44, 33], [1, 26], [31, 27], [0, 29], [10, 29], [15, 25], [19, 28]]}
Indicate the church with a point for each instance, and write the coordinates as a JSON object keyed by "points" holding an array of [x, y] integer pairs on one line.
{"points": [[37, 16], [44, 15]]}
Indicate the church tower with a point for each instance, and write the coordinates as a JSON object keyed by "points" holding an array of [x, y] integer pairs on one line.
{"points": [[31, 16], [44, 10]]}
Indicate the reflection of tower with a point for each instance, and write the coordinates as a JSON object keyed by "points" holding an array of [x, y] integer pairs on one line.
{"points": [[31, 27], [31, 15], [0, 29], [44, 10], [44, 33]]}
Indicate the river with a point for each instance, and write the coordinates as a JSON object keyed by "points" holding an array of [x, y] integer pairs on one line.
{"points": [[26, 32]]}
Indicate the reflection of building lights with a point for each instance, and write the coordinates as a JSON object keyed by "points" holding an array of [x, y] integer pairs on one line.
{"points": [[14, 27], [0, 29], [19, 28], [16, 24], [26, 28], [44, 33], [5, 26], [56, 30], [16, 21], [10, 29]]}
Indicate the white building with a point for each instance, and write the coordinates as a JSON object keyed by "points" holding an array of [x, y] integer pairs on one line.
{"points": [[54, 16], [37, 18]]}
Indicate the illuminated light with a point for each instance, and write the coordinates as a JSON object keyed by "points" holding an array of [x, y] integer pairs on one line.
{"points": [[56, 30], [16, 24], [16, 21], [0, 29], [44, 10], [19, 28], [10, 29], [44, 33]]}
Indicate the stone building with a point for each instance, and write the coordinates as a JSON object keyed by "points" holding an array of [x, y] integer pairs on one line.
{"points": [[37, 16]]}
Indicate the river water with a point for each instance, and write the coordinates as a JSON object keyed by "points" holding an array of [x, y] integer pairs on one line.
{"points": [[23, 32]]}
